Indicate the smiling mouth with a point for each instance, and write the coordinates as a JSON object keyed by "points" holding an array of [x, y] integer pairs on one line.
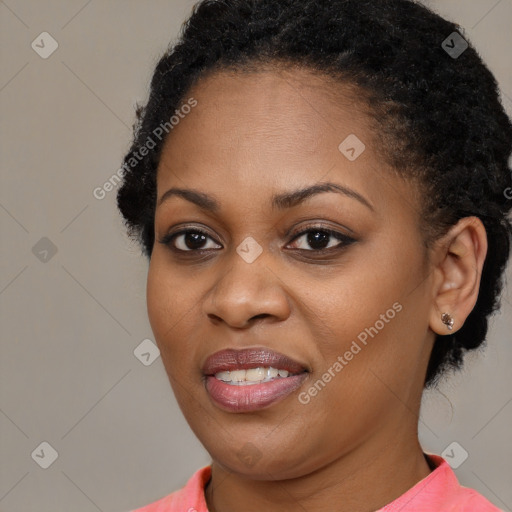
{"points": [[259, 375], [251, 379]]}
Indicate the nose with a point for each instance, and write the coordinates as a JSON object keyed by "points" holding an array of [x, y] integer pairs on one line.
{"points": [[245, 293]]}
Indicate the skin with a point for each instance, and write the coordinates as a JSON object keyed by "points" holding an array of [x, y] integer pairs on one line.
{"points": [[252, 136]]}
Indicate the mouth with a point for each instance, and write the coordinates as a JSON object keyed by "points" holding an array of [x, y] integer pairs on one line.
{"points": [[251, 379]]}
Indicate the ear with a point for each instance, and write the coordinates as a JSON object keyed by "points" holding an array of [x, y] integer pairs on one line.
{"points": [[459, 259]]}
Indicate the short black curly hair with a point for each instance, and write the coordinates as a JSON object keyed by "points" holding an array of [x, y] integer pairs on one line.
{"points": [[439, 116]]}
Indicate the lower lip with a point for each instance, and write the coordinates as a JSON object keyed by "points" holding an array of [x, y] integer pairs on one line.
{"points": [[251, 397]]}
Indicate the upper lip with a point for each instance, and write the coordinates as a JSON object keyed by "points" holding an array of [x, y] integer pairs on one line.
{"points": [[245, 359]]}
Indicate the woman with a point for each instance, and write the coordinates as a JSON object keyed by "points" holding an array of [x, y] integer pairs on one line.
{"points": [[319, 188]]}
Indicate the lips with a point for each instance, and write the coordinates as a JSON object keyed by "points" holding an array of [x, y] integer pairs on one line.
{"points": [[230, 360], [247, 398]]}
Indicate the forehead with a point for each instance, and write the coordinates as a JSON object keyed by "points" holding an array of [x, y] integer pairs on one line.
{"points": [[265, 130], [278, 102]]}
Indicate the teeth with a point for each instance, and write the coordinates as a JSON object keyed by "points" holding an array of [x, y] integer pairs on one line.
{"points": [[251, 376], [238, 376], [255, 374], [272, 373], [225, 376]]}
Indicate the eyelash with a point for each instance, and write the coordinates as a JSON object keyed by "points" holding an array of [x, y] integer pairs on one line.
{"points": [[344, 240]]}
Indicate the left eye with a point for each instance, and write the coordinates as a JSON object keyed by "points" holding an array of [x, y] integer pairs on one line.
{"points": [[320, 239]]}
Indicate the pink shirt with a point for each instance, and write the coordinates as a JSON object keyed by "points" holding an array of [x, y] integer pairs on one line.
{"points": [[440, 491]]}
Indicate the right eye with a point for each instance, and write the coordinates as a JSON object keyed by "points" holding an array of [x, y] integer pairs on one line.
{"points": [[189, 241]]}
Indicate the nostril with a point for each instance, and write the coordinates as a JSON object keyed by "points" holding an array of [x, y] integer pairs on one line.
{"points": [[261, 315], [214, 318]]}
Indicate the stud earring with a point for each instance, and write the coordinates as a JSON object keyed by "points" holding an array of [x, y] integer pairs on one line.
{"points": [[447, 320]]}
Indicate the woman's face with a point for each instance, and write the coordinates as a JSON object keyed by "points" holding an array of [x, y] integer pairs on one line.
{"points": [[336, 279]]}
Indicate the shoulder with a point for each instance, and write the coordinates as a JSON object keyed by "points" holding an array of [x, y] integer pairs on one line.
{"points": [[188, 499], [463, 498], [440, 490], [470, 500]]}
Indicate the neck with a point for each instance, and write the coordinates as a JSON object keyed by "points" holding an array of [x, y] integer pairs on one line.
{"points": [[365, 479]]}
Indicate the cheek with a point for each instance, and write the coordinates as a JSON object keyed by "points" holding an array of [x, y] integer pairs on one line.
{"points": [[171, 294], [364, 312], [161, 303], [172, 310]]}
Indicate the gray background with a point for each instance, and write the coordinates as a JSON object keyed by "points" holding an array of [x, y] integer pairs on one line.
{"points": [[70, 321]]}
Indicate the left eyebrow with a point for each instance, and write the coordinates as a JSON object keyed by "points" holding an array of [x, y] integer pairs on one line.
{"points": [[291, 199], [280, 201]]}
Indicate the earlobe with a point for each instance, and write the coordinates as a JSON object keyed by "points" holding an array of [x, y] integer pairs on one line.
{"points": [[460, 258], [447, 320]]}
